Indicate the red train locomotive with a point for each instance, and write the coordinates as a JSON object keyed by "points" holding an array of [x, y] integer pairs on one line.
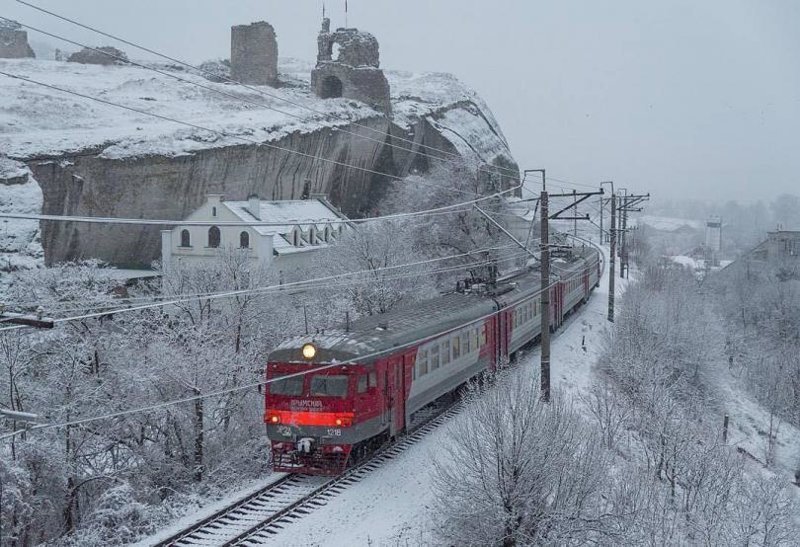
{"points": [[341, 395]]}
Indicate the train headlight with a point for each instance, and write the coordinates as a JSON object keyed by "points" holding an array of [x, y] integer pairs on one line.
{"points": [[309, 351], [274, 419]]}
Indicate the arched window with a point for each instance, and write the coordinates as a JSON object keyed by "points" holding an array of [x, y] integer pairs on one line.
{"points": [[186, 240], [213, 237], [213, 211], [244, 240]]}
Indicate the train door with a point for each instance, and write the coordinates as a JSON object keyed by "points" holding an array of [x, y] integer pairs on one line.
{"points": [[396, 394], [502, 343], [586, 284]]}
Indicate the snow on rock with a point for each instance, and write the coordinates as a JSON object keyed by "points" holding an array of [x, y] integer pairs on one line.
{"points": [[20, 242], [36, 121]]}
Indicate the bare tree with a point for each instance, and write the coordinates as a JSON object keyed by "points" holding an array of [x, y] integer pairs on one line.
{"points": [[515, 470]]}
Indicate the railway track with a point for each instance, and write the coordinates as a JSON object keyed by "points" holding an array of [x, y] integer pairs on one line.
{"points": [[255, 519]]}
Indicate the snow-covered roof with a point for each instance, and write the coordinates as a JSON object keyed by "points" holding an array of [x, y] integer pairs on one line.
{"points": [[291, 213]]}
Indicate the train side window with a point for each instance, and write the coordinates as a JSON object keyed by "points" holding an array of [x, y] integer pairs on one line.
{"points": [[473, 339], [434, 357], [362, 383], [465, 342], [373, 379], [423, 362], [456, 347], [445, 352], [482, 338]]}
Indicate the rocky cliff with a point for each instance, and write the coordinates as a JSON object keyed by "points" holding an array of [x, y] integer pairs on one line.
{"points": [[96, 160]]}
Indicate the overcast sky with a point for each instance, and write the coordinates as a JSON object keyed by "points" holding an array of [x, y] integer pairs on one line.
{"points": [[679, 98]]}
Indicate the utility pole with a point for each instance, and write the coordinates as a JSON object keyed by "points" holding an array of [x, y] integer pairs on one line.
{"points": [[623, 246], [612, 257], [575, 219], [545, 296], [601, 220]]}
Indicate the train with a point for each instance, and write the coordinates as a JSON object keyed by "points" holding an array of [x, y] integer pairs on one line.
{"points": [[334, 398]]}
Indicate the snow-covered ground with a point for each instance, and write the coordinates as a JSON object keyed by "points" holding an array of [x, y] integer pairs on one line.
{"points": [[36, 121], [393, 505]]}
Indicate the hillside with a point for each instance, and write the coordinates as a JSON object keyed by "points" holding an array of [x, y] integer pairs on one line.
{"points": [[100, 160]]}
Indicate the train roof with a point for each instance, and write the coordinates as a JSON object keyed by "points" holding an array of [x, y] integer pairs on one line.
{"points": [[413, 323]]}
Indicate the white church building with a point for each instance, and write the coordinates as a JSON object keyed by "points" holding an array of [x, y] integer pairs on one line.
{"points": [[293, 231]]}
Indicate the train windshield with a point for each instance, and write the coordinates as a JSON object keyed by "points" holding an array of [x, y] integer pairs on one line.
{"points": [[329, 386], [287, 386]]}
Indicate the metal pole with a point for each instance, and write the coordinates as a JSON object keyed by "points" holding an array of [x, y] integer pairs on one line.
{"points": [[623, 258], [545, 297], [601, 220], [612, 258], [575, 220]]}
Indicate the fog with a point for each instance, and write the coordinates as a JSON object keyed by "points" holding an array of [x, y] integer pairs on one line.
{"points": [[681, 98]]}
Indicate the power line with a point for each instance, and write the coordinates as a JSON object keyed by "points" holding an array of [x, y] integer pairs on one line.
{"points": [[218, 131], [229, 294], [384, 134], [252, 385], [445, 209]]}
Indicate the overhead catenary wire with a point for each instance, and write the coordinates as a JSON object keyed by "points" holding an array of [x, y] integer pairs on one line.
{"points": [[297, 287], [444, 209], [252, 385], [256, 290], [455, 156]]}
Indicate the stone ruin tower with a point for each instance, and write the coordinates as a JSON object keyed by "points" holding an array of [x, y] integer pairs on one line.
{"points": [[254, 54], [354, 74], [14, 42]]}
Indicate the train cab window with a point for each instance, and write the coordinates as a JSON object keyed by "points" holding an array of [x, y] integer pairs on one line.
{"points": [[445, 352], [456, 343], [433, 357], [373, 379], [328, 386], [287, 386], [362, 384]]}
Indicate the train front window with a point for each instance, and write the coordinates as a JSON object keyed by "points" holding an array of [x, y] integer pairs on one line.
{"points": [[287, 386], [329, 386]]}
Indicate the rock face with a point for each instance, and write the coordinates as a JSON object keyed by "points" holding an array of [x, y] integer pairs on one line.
{"points": [[14, 42], [104, 55], [254, 54], [162, 187], [355, 73], [105, 162]]}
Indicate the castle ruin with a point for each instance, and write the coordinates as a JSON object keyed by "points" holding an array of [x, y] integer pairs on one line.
{"points": [[355, 72], [254, 54], [14, 42]]}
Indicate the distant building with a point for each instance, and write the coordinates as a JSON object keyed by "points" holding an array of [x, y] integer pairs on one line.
{"points": [[713, 244], [778, 255], [297, 230]]}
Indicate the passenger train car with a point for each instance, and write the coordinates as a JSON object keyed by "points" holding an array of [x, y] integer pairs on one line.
{"points": [[340, 395]]}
